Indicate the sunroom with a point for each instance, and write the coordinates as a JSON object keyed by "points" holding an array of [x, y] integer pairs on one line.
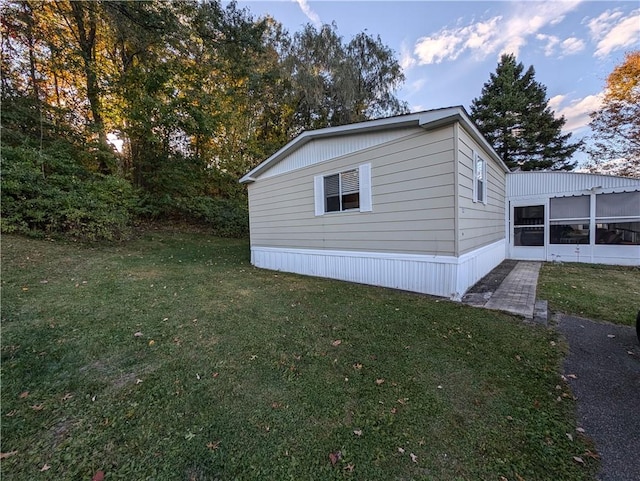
{"points": [[573, 217]]}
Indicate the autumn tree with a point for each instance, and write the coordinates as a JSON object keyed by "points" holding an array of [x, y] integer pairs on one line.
{"points": [[616, 125], [514, 115]]}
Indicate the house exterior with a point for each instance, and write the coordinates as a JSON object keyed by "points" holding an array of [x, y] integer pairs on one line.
{"points": [[413, 202], [422, 202]]}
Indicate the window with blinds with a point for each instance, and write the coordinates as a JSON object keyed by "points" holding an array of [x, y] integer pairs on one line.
{"points": [[342, 191]]}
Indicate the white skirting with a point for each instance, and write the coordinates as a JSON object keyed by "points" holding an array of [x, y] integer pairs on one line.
{"points": [[445, 276]]}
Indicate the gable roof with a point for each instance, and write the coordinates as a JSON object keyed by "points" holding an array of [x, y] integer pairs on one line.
{"points": [[428, 120]]}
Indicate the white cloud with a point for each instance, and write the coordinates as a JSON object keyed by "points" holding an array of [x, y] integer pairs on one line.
{"points": [[569, 46], [551, 41], [613, 31], [499, 34], [311, 15], [406, 59], [572, 45], [576, 112], [600, 25]]}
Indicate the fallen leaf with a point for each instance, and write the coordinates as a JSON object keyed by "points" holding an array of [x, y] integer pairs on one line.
{"points": [[570, 436], [414, 458], [37, 407], [138, 381], [335, 457], [591, 454], [580, 430], [152, 342], [349, 467], [578, 459], [6, 455], [24, 394], [394, 410], [67, 396], [336, 343], [358, 432], [137, 334], [401, 450], [572, 376], [213, 446], [611, 336], [357, 365], [12, 413], [276, 405], [379, 381], [403, 401], [98, 476], [215, 374], [520, 478], [46, 467], [25, 288]]}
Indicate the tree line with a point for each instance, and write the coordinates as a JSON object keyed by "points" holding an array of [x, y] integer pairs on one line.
{"points": [[192, 94]]}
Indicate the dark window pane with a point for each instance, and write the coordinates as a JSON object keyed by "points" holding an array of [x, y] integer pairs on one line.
{"points": [[480, 191], [351, 201], [528, 236], [620, 233], [529, 215], [333, 204], [569, 233]]}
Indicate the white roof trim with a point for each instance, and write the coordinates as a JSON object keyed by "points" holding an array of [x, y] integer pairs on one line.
{"points": [[428, 120]]}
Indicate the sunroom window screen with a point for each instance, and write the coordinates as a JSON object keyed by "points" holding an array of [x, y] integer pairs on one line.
{"points": [[622, 204], [569, 220], [569, 207]]}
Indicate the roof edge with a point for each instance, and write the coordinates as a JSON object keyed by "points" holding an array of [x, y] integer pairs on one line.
{"points": [[428, 119]]}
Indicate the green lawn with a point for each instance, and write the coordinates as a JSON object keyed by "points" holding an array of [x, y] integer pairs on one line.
{"points": [[594, 291], [172, 358]]}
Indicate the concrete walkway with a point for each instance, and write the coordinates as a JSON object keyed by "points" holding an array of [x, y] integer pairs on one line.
{"points": [[515, 295]]}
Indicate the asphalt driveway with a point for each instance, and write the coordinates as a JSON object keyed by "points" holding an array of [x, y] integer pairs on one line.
{"points": [[605, 360]]}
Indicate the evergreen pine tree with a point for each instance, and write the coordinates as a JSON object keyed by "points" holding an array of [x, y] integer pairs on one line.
{"points": [[513, 114]]}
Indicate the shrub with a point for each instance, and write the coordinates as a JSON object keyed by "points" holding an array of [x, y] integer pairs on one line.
{"points": [[227, 217], [48, 193]]}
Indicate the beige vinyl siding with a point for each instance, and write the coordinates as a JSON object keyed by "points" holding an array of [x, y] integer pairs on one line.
{"points": [[478, 224], [412, 182]]}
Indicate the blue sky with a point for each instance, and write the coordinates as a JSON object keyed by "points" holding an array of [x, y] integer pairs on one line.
{"points": [[448, 48]]}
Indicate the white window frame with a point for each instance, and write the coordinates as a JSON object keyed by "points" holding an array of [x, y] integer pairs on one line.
{"points": [[364, 181], [479, 195]]}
